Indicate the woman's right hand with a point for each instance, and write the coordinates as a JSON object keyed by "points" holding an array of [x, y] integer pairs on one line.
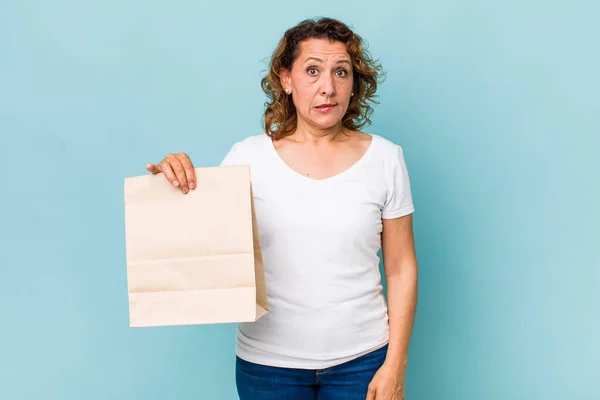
{"points": [[178, 169]]}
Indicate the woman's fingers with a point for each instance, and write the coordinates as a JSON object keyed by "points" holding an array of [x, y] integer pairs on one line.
{"points": [[178, 170], [153, 168], [190, 173], [167, 170]]}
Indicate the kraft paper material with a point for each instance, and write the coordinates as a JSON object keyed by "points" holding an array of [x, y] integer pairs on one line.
{"points": [[193, 258]]}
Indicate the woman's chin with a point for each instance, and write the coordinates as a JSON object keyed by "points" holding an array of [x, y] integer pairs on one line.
{"points": [[326, 122]]}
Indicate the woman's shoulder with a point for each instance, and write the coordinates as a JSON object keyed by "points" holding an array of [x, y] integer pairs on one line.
{"points": [[387, 148], [254, 140], [252, 143], [244, 150]]}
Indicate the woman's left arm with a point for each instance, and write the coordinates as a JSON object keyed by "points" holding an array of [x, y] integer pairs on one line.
{"points": [[400, 266]]}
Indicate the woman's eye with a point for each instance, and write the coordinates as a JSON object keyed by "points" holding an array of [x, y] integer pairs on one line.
{"points": [[312, 71], [342, 72]]}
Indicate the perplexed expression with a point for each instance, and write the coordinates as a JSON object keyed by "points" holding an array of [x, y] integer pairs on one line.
{"points": [[321, 82]]}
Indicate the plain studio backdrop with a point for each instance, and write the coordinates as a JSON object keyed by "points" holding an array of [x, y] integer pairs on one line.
{"points": [[494, 102]]}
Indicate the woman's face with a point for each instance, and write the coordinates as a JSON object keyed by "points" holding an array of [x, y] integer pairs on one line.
{"points": [[320, 82]]}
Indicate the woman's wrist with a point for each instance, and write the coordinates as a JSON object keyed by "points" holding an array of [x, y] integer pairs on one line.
{"points": [[396, 364]]}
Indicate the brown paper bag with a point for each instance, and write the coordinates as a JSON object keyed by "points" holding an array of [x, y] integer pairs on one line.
{"points": [[193, 258]]}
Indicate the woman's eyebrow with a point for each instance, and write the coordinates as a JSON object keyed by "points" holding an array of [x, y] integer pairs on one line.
{"points": [[320, 60]]}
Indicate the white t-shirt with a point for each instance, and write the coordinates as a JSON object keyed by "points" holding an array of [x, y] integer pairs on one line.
{"points": [[320, 241]]}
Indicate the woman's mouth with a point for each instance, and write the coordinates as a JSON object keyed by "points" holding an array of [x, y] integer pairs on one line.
{"points": [[325, 107]]}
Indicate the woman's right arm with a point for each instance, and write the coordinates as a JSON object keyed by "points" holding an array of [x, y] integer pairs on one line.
{"points": [[178, 169]]}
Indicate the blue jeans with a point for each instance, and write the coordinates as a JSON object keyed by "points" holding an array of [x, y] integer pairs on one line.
{"points": [[347, 381]]}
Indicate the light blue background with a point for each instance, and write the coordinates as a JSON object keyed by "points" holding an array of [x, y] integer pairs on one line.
{"points": [[494, 102]]}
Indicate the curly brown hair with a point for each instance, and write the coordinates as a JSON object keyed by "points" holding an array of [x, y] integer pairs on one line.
{"points": [[280, 118]]}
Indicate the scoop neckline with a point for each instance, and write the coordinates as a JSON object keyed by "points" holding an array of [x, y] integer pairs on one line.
{"points": [[337, 176]]}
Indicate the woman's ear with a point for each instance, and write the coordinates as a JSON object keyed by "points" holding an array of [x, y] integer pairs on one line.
{"points": [[285, 78]]}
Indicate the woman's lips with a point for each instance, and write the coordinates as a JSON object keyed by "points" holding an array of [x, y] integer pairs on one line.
{"points": [[324, 108]]}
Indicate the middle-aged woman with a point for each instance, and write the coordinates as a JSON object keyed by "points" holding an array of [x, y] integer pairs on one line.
{"points": [[328, 197]]}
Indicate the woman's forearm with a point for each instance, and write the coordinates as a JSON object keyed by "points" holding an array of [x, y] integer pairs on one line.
{"points": [[402, 293]]}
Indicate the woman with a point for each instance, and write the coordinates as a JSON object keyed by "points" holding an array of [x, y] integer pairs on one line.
{"points": [[327, 198]]}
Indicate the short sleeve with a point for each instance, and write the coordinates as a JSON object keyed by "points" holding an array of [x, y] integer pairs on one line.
{"points": [[399, 197], [233, 157]]}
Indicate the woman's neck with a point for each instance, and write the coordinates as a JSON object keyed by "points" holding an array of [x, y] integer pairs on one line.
{"points": [[317, 136]]}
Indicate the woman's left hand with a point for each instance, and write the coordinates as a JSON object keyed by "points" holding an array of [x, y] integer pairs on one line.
{"points": [[387, 384]]}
